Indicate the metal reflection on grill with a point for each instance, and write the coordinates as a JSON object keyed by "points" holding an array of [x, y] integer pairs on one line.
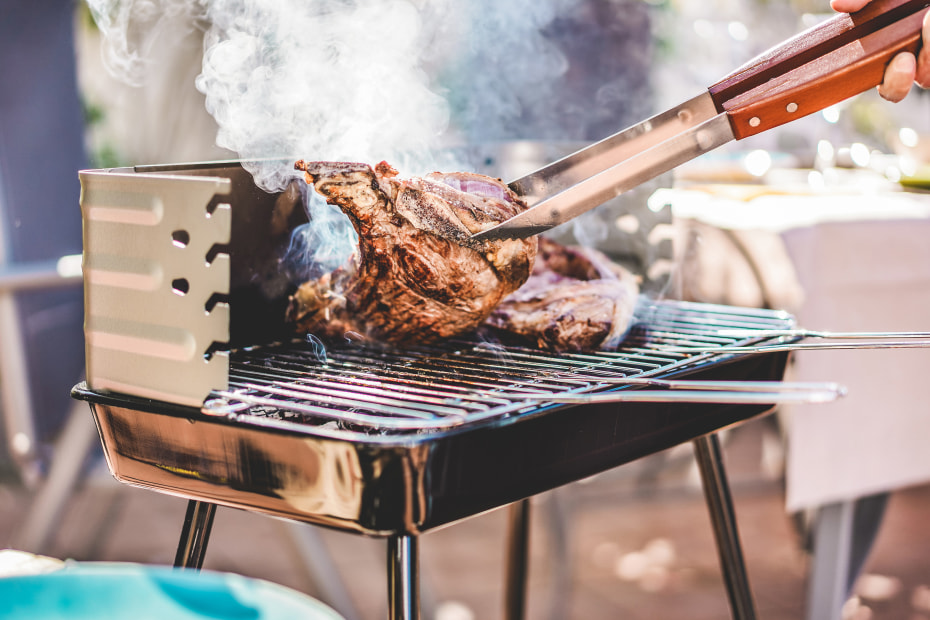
{"points": [[422, 389], [388, 441]]}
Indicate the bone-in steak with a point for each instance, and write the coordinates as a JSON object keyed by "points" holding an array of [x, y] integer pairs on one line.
{"points": [[416, 275]]}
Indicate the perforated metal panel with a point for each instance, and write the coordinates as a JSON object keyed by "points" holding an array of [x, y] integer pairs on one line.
{"points": [[151, 277]]}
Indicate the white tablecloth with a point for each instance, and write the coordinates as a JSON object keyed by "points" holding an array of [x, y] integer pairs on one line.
{"points": [[863, 260], [870, 275]]}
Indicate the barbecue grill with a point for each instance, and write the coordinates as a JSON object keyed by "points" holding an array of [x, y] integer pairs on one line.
{"points": [[196, 393]]}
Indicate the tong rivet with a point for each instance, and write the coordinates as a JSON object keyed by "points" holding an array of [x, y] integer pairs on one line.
{"points": [[755, 121], [792, 108]]}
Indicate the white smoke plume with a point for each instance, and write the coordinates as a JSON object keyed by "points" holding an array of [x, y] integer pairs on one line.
{"points": [[350, 80], [133, 29], [325, 81], [358, 80]]}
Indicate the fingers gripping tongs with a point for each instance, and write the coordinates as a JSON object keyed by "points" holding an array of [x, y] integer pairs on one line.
{"points": [[822, 66]]}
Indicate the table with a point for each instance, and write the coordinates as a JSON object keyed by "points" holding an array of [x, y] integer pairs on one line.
{"points": [[861, 256]]}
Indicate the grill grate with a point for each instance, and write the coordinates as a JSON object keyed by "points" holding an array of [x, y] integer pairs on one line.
{"points": [[381, 391]]}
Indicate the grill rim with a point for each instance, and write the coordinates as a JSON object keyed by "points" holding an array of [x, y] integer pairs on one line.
{"points": [[402, 484], [411, 487]]}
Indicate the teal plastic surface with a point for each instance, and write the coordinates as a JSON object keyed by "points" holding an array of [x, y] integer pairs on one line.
{"points": [[104, 591]]}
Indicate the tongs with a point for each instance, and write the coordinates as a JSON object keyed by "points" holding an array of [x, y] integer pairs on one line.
{"points": [[839, 58]]}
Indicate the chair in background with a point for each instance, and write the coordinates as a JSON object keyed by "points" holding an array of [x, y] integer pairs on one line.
{"points": [[41, 150]]}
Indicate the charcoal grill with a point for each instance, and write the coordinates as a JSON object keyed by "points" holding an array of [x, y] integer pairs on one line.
{"points": [[378, 441], [395, 443]]}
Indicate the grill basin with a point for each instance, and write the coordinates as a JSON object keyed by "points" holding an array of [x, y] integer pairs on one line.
{"points": [[388, 442]]}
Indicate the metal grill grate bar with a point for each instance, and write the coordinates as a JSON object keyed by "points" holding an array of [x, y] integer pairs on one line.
{"points": [[379, 390]]}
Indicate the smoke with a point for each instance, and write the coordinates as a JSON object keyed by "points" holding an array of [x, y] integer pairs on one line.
{"points": [[502, 71], [356, 80], [133, 29], [322, 245], [319, 80], [349, 80]]}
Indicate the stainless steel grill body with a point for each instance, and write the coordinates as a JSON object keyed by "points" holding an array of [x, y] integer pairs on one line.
{"points": [[389, 442]]}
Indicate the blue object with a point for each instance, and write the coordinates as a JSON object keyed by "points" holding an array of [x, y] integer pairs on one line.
{"points": [[41, 151], [105, 591]]}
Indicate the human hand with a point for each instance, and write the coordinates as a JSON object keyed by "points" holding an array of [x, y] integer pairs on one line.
{"points": [[904, 69]]}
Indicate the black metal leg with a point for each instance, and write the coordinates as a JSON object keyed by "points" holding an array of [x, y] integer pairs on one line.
{"points": [[558, 515], [518, 544], [198, 521], [723, 519], [403, 578]]}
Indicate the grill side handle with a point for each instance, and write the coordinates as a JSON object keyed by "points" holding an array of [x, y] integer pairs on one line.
{"points": [[156, 280]]}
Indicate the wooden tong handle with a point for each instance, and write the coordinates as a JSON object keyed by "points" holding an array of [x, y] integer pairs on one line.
{"points": [[840, 58]]}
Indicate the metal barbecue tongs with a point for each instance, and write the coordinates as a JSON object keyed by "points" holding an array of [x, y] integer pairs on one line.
{"points": [[820, 67]]}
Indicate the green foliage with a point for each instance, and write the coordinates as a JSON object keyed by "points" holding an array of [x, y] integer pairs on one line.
{"points": [[102, 154]]}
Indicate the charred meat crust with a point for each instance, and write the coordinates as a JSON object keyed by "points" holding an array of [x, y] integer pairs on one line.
{"points": [[576, 300], [416, 277]]}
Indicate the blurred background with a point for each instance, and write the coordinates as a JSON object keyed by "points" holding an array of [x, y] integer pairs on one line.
{"points": [[826, 217]]}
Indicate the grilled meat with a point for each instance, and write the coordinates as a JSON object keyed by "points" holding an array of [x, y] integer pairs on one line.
{"points": [[576, 299], [417, 277]]}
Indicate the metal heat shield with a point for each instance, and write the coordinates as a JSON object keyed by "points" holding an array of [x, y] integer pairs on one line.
{"points": [[181, 263]]}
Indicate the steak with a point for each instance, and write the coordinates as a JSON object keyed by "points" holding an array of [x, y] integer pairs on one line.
{"points": [[576, 299], [417, 275]]}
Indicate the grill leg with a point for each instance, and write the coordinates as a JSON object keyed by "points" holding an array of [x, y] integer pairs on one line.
{"points": [[518, 543], [198, 521], [723, 519], [832, 543], [403, 578]]}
